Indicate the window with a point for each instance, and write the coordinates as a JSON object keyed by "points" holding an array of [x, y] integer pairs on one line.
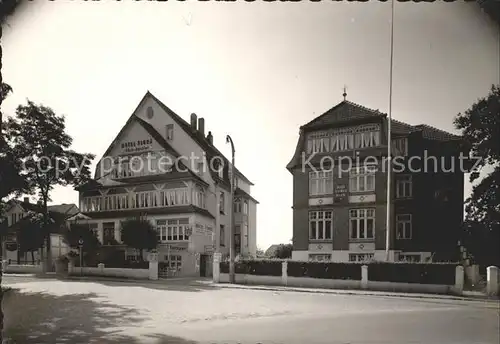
{"points": [[411, 258], [403, 225], [245, 233], [362, 178], [108, 233], [170, 132], [320, 183], [245, 207], [320, 257], [173, 230], [401, 146], [403, 186], [320, 225], [174, 261], [344, 139], [222, 203], [360, 257], [362, 223], [222, 235], [237, 205], [198, 196]]}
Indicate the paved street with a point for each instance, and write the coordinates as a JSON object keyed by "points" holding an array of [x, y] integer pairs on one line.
{"points": [[52, 311]]}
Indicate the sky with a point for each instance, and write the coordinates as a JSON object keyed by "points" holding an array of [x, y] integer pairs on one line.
{"points": [[256, 71]]}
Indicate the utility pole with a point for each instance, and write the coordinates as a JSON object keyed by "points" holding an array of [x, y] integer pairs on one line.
{"points": [[231, 214], [389, 145]]}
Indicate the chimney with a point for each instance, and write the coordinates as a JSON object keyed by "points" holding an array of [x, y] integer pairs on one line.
{"points": [[26, 199], [193, 121], [201, 126], [210, 138]]}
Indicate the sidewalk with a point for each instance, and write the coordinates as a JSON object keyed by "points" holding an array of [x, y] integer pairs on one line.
{"points": [[467, 295], [207, 282]]}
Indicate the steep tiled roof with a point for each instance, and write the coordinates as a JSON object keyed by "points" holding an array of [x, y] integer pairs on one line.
{"points": [[432, 133], [345, 111], [210, 149]]}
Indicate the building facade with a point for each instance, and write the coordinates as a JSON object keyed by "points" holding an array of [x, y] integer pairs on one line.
{"points": [[167, 170], [340, 189]]}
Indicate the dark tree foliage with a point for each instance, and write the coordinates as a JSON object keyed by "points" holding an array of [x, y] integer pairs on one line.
{"points": [[38, 137], [82, 231], [139, 234], [283, 251], [29, 234], [480, 126]]}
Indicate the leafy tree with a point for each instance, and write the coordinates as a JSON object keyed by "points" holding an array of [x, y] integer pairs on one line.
{"points": [[480, 126], [259, 252], [283, 251], [29, 235], [82, 231], [38, 137], [139, 234]]}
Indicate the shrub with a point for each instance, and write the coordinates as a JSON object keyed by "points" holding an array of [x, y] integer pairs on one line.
{"points": [[261, 267], [423, 273], [325, 270]]}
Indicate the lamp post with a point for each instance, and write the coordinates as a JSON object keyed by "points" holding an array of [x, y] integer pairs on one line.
{"points": [[231, 214], [389, 152]]}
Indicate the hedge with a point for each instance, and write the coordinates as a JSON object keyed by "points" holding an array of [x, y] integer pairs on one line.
{"points": [[254, 267], [423, 273], [325, 270]]}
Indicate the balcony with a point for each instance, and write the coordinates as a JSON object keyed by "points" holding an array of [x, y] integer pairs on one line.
{"points": [[145, 200]]}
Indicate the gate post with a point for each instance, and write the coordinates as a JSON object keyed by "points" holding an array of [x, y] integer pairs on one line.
{"points": [[216, 267], [153, 266]]}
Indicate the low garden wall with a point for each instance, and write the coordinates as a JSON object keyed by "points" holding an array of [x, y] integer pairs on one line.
{"points": [[441, 278], [22, 268], [102, 271]]}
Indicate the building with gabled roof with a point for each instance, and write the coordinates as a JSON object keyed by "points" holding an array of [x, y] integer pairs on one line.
{"points": [[168, 170], [339, 173]]}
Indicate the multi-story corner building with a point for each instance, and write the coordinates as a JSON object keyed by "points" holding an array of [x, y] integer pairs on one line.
{"points": [[340, 189], [165, 169]]}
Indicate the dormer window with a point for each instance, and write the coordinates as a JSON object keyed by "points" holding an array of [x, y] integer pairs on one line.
{"points": [[170, 132]]}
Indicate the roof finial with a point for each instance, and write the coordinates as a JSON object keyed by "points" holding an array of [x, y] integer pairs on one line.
{"points": [[345, 93]]}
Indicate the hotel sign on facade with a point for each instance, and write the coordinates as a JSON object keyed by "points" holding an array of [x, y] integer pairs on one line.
{"points": [[137, 146]]}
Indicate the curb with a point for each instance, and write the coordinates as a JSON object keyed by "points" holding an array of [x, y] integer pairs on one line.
{"points": [[485, 299]]}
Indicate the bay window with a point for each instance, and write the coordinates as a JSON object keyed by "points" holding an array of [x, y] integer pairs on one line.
{"points": [[362, 224], [173, 230], [320, 225]]}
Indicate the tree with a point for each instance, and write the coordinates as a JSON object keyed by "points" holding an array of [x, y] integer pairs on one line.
{"points": [[480, 126], [38, 138], [29, 235], [82, 231], [283, 251], [259, 252], [139, 234]]}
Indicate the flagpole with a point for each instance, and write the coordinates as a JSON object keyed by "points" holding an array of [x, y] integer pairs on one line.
{"points": [[389, 139]]}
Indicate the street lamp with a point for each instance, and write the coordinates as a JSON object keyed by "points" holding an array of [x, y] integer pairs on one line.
{"points": [[231, 214]]}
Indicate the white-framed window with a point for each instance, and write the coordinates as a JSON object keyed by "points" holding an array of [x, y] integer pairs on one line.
{"points": [[222, 235], [174, 261], [320, 257], [237, 205], [198, 196], [362, 178], [320, 183], [320, 225], [362, 223], [170, 132], [403, 226], [360, 257], [401, 146], [403, 186], [173, 230], [411, 258], [245, 207], [222, 202]]}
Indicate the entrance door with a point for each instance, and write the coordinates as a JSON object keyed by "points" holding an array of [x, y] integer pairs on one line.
{"points": [[203, 265]]}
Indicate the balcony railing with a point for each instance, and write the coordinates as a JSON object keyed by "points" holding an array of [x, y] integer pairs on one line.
{"points": [[144, 200]]}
